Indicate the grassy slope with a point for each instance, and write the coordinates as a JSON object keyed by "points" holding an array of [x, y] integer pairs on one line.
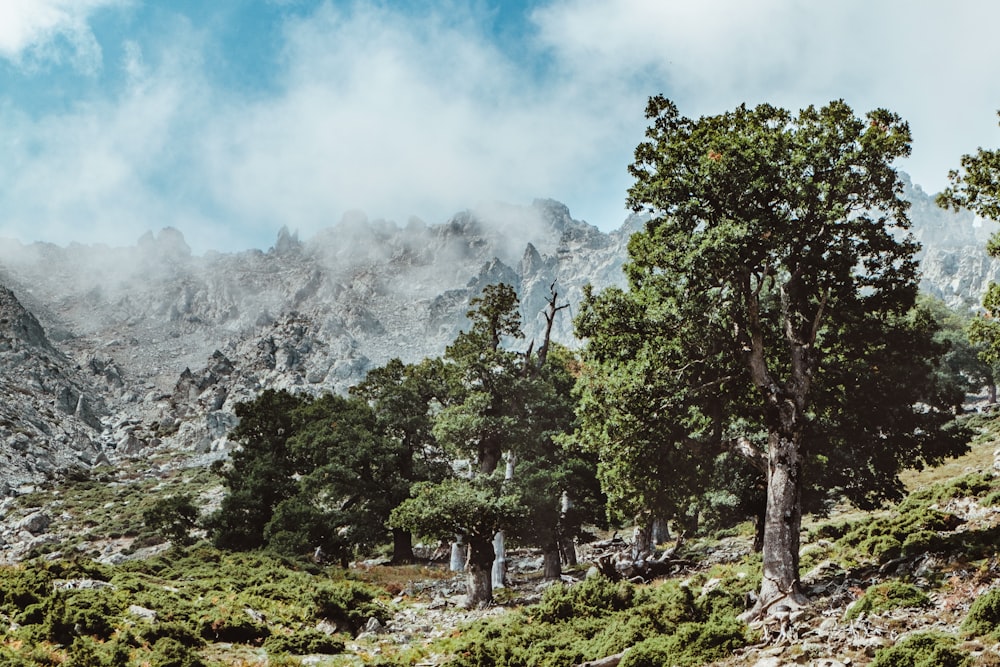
{"points": [[208, 602]]}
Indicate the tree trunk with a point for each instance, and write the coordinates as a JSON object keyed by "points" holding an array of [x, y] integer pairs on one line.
{"points": [[459, 555], [478, 582], [402, 546], [782, 519], [498, 573], [661, 533], [552, 564], [567, 550], [992, 388], [642, 538], [758, 529]]}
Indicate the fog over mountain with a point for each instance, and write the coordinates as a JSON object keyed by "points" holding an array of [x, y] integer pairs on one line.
{"points": [[110, 352]]}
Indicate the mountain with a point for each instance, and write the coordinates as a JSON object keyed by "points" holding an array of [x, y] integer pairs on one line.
{"points": [[111, 352]]}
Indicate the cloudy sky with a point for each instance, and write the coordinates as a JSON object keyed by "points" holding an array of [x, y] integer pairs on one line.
{"points": [[230, 118]]}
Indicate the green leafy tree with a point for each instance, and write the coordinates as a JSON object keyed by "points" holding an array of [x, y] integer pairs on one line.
{"points": [[555, 480], [483, 414], [403, 398], [768, 312], [476, 508], [259, 475], [174, 517], [502, 401], [348, 478], [964, 368], [325, 472], [976, 186]]}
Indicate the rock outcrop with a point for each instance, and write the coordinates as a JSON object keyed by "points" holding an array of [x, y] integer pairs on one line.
{"points": [[119, 351]]}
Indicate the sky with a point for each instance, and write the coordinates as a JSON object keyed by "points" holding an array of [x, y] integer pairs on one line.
{"points": [[228, 119]]}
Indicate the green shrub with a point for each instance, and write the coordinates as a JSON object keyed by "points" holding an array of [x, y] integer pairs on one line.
{"points": [[692, 644], [984, 616], [224, 624], [346, 602], [169, 652], [921, 541], [922, 650], [303, 642], [596, 596], [87, 612], [885, 596]]}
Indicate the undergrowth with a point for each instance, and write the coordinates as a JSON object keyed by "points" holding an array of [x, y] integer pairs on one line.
{"points": [[163, 611], [660, 624]]}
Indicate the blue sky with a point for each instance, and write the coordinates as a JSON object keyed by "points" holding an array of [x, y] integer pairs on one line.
{"points": [[230, 118]]}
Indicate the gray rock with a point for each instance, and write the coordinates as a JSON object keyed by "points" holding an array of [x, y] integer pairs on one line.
{"points": [[35, 523]]}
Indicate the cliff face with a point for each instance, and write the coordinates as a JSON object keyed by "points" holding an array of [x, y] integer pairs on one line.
{"points": [[161, 344]]}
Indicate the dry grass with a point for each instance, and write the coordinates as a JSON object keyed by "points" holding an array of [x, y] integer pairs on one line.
{"points": [[978, 459]]}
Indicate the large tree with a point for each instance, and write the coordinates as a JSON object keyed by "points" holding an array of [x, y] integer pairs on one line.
{"points": [[259, 473], [403, 397], [769, 304], [976, 186]]}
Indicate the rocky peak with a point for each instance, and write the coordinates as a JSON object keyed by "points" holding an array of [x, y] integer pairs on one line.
{"points": [[18, 327], [288, 243], [168, 244]]}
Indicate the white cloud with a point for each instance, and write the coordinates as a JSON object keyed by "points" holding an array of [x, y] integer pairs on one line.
{"points": [[402, 115], [31, 31], [936, 64]]}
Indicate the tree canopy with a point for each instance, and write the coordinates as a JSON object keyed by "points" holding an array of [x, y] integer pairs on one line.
{"points": [[976, 186], [768, 312]]}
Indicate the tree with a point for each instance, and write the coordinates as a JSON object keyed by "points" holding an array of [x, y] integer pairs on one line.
{"points": [[976, 186], [965, 367], [325, 472], [769, 285], [474, 508], [174, 517], [260, 472], [482, 415], [555, 481], [402, 397], [346, 471]]}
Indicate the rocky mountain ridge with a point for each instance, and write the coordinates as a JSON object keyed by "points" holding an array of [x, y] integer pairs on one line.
{"points": [[116, 352]]}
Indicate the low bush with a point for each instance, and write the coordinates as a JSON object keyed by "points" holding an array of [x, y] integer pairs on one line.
{"points": [[692, 644], [304, 642], [887, 595], [984, 616], [923, 650]]}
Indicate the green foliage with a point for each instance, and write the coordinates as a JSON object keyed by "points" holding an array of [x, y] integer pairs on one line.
{"points": [[173, 517], [911, 530], [597, 618], [325, 472], [593, 597], [770, 301], [169, 652], [975, 187], [984, 616], [198, 595], [86, 612], [922, 650], [475, 508], [691, 644], [885, 596], [303, 642], [260, 472]]}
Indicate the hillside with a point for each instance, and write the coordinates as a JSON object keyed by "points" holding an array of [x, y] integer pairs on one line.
{"points": [[876, 580], [161, 344]]}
